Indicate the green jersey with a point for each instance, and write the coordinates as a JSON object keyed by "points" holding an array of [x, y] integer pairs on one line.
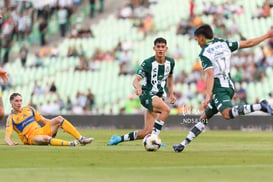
{"points": [[216, 54], [155, 75]]}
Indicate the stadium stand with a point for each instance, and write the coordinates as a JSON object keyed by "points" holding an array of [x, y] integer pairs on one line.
{"points": [[112, 89]]}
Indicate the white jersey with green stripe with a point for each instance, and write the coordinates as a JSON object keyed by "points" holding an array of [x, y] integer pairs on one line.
{"points": [[155, 75], [216, 54]]}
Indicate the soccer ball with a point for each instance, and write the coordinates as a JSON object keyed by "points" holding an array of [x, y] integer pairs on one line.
{"points": [[151, 142]]}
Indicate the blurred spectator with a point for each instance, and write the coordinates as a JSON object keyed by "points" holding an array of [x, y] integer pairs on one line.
{"points": [[101, 10], [60, 102], [43, 30], [72, 52], [77, 109], [147, 25], [241, 95], [31, 104], [180, 99], [54, 51], [7, 48], [83, 64], [23, 54], [37, 61], [21, 28], [68, 105], [45, 51], [195, 75], [50, 108], [187, 26], [80, 100], [124, 63], [85, 32], [125, 12], [258, 11], [201, 85], [76, 5], [270, 99], [263, 11], [90, 100], [183, 27], [53, 88], [98, 55], [177, 53], [62, 18], [132, 105], [37, 89], [46, 88], [192, 7], [92, 8]]}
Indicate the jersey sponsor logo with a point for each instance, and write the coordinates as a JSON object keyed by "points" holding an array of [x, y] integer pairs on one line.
{"points": [[154, 82], [167, 70]]}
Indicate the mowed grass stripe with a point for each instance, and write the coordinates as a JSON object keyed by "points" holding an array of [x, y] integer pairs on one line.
{"points": [[214, 156]]}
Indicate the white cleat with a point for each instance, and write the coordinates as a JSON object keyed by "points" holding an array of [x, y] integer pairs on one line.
{"points": [[84, 140]]}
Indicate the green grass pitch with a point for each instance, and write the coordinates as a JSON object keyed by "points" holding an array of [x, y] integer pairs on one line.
{"points": [[215, 156]]}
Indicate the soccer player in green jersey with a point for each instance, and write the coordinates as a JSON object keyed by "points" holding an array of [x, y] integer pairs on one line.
{"points": [[157, 75], [215, 58]]}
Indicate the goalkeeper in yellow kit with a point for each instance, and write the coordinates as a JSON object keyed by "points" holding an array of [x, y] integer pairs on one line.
{"points": [[25, 121]]}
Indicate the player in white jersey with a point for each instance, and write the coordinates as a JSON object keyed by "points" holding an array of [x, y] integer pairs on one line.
{"points": [[157, 74], [215, 58]]}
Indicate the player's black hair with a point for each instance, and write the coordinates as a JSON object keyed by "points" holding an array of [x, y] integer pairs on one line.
{"points": [[204, 30], [160, 40], [14, 95]]}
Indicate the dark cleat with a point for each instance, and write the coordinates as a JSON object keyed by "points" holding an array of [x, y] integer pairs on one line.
{"points": [[266, 107], [178, 147]]}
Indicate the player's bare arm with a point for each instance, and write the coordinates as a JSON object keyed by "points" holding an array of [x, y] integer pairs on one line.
{"points": [[256, 41], [9, 141], [170, 87], [209, 86], [137, 86]]}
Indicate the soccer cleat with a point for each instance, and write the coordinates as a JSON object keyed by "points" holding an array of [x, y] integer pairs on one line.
{"points": [[266, 107], [84, 140], [74, 143], [178, 147], [114, 140]]}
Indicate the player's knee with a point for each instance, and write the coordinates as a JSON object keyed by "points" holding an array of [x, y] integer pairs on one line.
{"points": [[226, 115], [167, 110], [59, 119]]}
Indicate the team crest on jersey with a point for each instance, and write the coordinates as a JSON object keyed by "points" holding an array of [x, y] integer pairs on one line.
{"points": [[147, 101]]}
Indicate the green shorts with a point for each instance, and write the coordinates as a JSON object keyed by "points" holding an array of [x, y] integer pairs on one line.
{"points": [[146, 99], [221, 99]]}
